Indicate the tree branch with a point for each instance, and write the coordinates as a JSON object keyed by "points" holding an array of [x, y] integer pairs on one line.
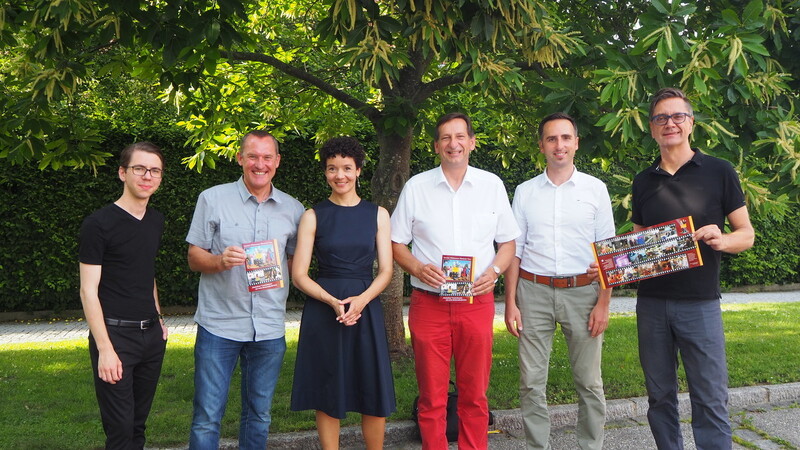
{"points": [[427, 89], [104, 46], [370, 112], [536, 67]]}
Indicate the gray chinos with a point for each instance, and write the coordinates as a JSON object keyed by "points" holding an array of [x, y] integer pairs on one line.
{"points": [[541, 308]]}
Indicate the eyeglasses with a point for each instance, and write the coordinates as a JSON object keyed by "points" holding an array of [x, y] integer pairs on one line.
{"points": [[155, 172], [662, 119]]}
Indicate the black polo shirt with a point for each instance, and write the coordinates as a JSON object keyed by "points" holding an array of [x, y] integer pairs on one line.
{"points": [[706, 188]]}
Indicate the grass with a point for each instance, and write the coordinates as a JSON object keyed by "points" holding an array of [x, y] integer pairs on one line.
{"points": [[48, 399]]}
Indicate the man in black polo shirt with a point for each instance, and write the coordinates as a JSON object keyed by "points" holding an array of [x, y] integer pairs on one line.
{"points": [[127, 339], [680, 312]]}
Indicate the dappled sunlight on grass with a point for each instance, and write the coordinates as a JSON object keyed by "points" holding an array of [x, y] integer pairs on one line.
{"points": [[60, 366], [70, 344]]}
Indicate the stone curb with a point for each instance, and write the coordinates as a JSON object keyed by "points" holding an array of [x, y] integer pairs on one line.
{"points": [[561, 416]]}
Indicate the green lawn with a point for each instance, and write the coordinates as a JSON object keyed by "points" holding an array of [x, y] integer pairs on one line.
{"points": [[48, 398]]}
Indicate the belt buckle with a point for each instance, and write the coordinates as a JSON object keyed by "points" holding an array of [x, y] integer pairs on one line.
{"points": [[562, 282], [144, 324]]}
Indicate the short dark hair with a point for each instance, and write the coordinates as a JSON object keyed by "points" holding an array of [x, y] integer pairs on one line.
{"points": [[344, 146], [666, 93], [259, 134], [557, 116], [452, 116], [144, 146]]}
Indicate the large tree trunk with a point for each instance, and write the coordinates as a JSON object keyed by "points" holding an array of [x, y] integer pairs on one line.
{"points": [[390, 176]]}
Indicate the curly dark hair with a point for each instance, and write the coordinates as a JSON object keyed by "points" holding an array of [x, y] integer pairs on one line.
{"points": [[342, 146]]}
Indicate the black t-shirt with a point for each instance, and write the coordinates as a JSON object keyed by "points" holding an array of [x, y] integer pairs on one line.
{"points": [[706, 188], [126, 248]]}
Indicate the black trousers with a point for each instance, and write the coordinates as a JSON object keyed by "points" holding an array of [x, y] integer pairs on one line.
{"points": [[124, 406]]}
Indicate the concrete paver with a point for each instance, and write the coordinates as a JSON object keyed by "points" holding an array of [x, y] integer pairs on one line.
{"points": [[55, 330], [61, 330], [762, 426], [778, 420]]}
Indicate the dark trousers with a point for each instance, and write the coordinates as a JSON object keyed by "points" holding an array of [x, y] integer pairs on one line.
{"points": [[693, 328], [124, 406]]}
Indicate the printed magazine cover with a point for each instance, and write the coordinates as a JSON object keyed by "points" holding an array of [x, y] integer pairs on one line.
{"points": [[263, 265], [658, 250], [459, 271]]}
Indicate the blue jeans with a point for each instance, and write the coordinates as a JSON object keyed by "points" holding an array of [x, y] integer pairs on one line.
{"points": [[695, 329], [214, 360]]}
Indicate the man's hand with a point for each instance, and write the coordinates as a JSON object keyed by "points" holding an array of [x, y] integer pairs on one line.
{"points": [[485, 283], [738, 240], [164, 330], [109, 367], [233, 256], [712, 236], [513, 320], [593, 271], [598, 319], [431, 275]]}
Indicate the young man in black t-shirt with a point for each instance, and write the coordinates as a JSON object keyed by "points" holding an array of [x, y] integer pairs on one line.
{"points": [[118, 247]]}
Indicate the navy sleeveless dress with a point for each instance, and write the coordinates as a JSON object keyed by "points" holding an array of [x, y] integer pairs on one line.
{"points": [[340, 368]]}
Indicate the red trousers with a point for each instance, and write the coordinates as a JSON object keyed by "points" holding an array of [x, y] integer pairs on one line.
{"points": [[441, 331]]}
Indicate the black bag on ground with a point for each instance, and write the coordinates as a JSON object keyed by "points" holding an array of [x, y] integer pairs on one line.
{"points": [[452, 413]]}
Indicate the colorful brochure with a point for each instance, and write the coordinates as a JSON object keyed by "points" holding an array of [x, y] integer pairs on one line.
{"points": [[263, 265], [658, 250], [460, 273]]}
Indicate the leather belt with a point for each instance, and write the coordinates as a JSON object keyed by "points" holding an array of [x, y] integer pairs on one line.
{"points": [[557, 282], [425, 291], [140, 324]]}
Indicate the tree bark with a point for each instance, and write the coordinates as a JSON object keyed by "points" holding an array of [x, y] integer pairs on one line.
{"points": [[390, 176]]}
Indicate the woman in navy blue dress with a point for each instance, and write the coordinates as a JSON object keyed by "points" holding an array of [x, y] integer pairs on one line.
{"points": [[342, 353]]}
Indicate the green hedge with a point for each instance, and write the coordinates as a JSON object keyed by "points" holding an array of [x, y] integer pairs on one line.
{"points": [[773, 259], [41, 213]]}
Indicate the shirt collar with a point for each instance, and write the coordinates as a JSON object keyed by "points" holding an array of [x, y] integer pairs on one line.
{"points": [[546, 180], [245, 194], [697, 159], [469, 176]]}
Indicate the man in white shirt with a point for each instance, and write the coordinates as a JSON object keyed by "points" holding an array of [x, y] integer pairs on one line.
{"points": [[560, 212], [453, 209]]}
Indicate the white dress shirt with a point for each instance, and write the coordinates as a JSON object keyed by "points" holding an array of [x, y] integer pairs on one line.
{"points": [[442, 221], [559, 223]]}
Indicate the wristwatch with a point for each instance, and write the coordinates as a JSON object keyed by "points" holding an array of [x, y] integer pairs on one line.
{"points": [[497, 272]]}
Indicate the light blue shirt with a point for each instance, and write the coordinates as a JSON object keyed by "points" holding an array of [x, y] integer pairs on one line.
{"points": [[227, 215]]}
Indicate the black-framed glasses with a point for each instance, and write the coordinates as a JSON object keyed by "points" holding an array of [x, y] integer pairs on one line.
{"points": [[155, 172], [662, 119]]}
